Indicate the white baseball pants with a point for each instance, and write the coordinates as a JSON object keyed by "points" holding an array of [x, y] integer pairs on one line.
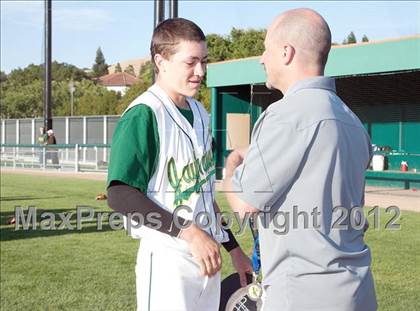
{"points": [[168, 278]]}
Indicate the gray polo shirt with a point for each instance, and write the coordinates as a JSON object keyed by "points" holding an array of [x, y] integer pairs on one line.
{"points": [[305, 169]]}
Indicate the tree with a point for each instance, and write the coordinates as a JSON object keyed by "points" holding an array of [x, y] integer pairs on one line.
{"points": [[100, 67], [240, 43], [59, 71], [3, 77], [22, 101], [218, 48], [61, 98], [64, 72], [365, 38], [146, 73], [351, 38], [118, 68], [25, 76], [246, 43], [132, 93], [204, 97], [21, 93], [93, 99], [130, 70]]}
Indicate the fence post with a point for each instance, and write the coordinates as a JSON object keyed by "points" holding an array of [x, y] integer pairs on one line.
{"points": [[17, 135], [96, 158], [105, 137], [84, 137], [33, 133], [67, 131], [14, 157], [76, 158], [3, 134], [44, 157]]}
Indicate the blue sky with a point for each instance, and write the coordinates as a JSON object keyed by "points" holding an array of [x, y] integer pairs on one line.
{"points": [[123, 28]]}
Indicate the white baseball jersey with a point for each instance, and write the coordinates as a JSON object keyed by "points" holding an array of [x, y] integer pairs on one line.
{"points": [[185, 173]]}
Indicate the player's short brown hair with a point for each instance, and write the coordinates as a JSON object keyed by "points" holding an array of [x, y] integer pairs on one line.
{"points": [[169, 33]]}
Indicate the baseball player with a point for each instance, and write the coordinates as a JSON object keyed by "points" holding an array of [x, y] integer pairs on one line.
{"points": [[161, 176]]}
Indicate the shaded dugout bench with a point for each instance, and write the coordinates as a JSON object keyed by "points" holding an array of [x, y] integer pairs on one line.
{"points": [[379, 81]]}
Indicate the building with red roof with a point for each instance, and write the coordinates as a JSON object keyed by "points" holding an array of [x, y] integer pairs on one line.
{"points": [[118, 81]]}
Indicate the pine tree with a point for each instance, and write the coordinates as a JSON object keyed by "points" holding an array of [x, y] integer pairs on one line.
{"points": [[100, 67], [365, 38], [130, 70], [351, 38], [118, 68]]}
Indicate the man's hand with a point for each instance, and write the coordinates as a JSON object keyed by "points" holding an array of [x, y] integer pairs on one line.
{"points": [[235, 158], [204, 249], [242, 264]]}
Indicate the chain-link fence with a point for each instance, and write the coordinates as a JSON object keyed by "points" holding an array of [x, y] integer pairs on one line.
{"points": [[76, 157]]}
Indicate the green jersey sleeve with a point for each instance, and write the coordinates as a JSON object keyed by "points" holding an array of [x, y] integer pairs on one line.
{"points": [[135, 148]]}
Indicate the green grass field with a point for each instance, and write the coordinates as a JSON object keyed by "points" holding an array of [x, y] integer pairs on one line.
{"points": [[94, 270]]}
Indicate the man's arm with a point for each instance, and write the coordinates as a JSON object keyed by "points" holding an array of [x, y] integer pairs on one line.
{"points": [[237, 205]]}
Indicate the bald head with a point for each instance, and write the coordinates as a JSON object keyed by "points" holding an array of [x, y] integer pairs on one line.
{"points": [[307, 32]]}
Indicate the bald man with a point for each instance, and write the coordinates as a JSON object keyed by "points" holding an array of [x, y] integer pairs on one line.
{"points": [[308, 153]]}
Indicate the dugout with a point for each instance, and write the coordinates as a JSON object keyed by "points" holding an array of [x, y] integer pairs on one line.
{"points": [[379, 81]]}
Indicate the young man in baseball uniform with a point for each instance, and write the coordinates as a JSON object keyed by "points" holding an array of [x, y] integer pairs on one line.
{"points": [[161, 175]]}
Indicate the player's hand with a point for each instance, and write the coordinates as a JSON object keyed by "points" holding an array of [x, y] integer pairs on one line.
{"points": [[204, 249], [242, 264]]}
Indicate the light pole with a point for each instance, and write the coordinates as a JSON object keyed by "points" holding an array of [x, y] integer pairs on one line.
{"points": [[48, 123], [72, 88]]}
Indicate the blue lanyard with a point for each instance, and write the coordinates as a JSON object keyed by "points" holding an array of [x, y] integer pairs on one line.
{"points": [[256, 258]]}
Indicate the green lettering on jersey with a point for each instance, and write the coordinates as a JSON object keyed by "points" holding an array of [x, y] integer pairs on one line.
{"points": [[191, 177]]}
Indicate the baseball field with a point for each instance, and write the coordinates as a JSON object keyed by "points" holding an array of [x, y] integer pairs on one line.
{"points": [[91, 269]]}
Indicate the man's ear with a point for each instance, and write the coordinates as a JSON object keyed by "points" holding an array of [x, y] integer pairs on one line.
{"points": [[160, 62], [288, 53]]}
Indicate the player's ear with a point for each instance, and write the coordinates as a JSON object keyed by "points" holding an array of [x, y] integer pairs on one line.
{"points": [[160, 62]]}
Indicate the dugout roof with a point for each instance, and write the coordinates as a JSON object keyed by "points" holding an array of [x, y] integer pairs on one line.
{"points": [[391, 55]]}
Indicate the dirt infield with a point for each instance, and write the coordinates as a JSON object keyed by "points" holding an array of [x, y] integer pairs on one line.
{"points": [[384, 197], [81, 175], [374, 196]]}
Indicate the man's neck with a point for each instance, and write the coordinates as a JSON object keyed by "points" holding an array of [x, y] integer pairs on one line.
{"points": [[299, 77], [177, 98]]}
